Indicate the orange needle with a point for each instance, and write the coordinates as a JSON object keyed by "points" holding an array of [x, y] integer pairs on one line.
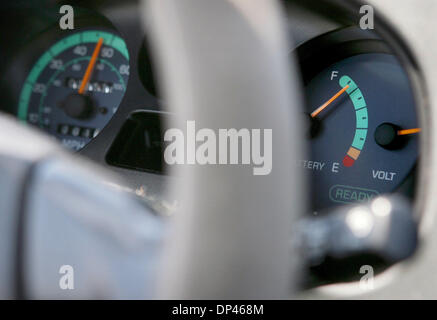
{"points": [[327, 103], [90, 68], [408, 131]]}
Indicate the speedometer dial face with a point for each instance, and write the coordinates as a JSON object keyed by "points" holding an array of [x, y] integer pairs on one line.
{"points": [[363, 130], [76, 86]]}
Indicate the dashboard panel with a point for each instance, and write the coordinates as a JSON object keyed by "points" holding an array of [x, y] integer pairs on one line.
{"points": [[93, 89]]}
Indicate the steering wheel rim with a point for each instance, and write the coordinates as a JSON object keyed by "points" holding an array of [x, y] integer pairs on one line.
{"points": [[221, 64]]}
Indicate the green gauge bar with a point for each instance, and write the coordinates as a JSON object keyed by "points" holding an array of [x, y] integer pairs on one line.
{"points": [[362, 120]]}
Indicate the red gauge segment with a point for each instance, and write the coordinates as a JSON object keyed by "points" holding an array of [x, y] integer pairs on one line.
{"points": [[348, 161]]}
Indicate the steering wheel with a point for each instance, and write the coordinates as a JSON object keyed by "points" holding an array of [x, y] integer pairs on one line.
{"points": [[225, 242]]}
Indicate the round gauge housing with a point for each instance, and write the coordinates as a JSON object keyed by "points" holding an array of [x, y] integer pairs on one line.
{"points": [[362, 124], [351, 156], [76, 86]]}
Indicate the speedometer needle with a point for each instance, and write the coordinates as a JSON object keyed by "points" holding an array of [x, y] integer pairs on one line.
{"points": [[89, 70], [327, 103]]}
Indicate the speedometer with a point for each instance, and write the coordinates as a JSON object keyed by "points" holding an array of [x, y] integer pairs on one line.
{"points": [[76, 86]]}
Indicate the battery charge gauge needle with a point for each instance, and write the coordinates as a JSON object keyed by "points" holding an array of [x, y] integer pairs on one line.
{"points": [[316, 112], [314, 124]]}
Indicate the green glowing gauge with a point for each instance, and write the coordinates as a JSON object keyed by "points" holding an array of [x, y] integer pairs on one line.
{"points": [[76, 86], [363, 130], [361, 116]]}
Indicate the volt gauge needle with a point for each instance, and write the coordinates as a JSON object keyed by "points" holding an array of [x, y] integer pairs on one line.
{"points": [[405, 132], [327, 103], [89, 70]]}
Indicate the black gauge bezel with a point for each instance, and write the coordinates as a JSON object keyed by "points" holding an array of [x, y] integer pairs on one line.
{"points": [[43, 37], [323, 51], [383, 39], [317, 54], [347, 13]]}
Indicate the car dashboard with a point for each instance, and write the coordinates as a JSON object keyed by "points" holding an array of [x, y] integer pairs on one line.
{"points": [[94, 90]]}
